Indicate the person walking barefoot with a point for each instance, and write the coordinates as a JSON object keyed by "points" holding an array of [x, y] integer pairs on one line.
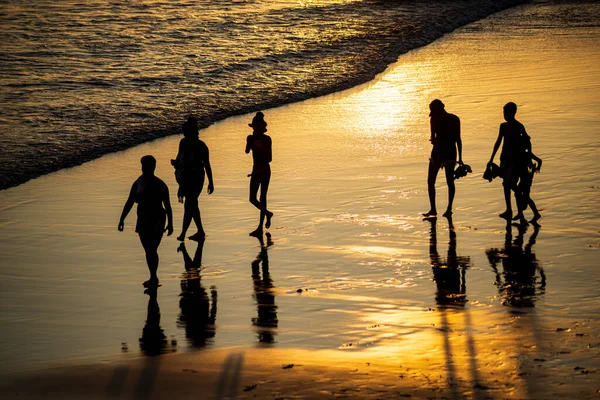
{"points": [[515, 143], [190, 166], [445, 138], [262, 154], [154, 207]]}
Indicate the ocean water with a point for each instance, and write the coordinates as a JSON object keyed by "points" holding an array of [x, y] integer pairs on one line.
{"points": [[82, 79]]}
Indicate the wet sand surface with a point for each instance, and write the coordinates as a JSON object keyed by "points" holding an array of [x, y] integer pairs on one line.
{"points": [[474, 310]]}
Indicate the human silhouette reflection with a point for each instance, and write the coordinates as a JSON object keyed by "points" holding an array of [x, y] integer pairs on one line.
{"points": [[266, 321], [518, 283], [198, 311], [153, 341], [448, 273]]}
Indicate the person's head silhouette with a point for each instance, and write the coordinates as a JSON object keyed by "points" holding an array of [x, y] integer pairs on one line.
{"points": [[148, 165], [259, 124], [190, 127], [436, 107], [510, 110]]}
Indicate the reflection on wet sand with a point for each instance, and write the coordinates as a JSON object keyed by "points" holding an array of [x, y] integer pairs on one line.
{"points": [[518, 284], [198, 312], [153, 341], [266, 321], [448, 273]]}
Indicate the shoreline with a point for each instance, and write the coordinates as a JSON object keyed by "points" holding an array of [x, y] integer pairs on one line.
{"points": [[348, 187], [391, 53]]}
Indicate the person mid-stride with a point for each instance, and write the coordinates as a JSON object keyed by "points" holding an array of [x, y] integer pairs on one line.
{"points": [[445, 138], [153, 210], [262, 154], [190, 165], [515, 144]]}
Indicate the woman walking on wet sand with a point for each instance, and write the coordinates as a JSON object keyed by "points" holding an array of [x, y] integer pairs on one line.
{"points": [[191, 163], [154, 207], [262, 154]]}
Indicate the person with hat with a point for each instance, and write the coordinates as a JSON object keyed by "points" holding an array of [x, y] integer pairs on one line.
{"points": [[190, 165], [445, 138], [262, 154]]}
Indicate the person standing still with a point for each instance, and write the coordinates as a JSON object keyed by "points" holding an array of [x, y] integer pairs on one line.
{"points": [[445, 138]]}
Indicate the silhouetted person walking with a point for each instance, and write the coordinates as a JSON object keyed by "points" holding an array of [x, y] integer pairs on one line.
{"points": [[153, 210], [515, 142], [530, 165], [445, 138], [262, 154], [190, 165]]}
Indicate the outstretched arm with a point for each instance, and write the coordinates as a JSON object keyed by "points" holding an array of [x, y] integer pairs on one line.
{"points": [[128, 205], [208, 169], [167, 203]]}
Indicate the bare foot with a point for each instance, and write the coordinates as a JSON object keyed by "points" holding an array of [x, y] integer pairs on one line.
{"points": [[257, 232], [181, 237], [269, 216], [506, 215], [198, 236], [535, 219], [430, 213], [151, 283], [518, 216], [448, 214]]}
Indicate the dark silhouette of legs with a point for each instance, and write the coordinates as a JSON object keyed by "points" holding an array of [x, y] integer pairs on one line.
{"points": [[451, 188], [536, 213], [191, 212], [431, 177], [150, 242], [507, 214], [260, 180]]}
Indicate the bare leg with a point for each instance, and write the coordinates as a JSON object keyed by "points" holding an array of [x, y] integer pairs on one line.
{"points": [[431, 177], [254, 185], [200, 234], [536, 213], [264, 188], [260, 180], [187, 219], [508, 213], [451, 189], [150, 242]]}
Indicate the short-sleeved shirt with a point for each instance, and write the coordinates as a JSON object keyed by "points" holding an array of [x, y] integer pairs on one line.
{"points": [[261, 146], [446, 130], [149, 193]]}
